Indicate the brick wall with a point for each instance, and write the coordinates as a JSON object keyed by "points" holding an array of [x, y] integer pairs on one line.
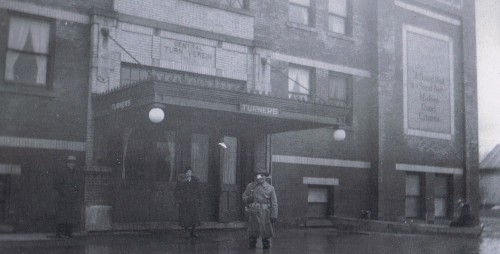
{"points": [[190, 14]]}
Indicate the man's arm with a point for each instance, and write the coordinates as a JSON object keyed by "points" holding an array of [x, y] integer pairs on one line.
{"points": [[274, 205]]}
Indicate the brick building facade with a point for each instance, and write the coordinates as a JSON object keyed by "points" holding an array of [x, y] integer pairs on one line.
{"points": [[237, 87]]}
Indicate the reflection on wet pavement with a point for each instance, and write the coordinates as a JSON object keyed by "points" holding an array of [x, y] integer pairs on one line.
{"points": [[296, 240]]}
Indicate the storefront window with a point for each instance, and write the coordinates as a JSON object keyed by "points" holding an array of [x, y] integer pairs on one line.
{"points": [[318, 202], [165, 158], [199, 156], [414, 195], [441, 195]]}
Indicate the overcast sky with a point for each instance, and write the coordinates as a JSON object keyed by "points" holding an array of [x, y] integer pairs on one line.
{"points": [[488, 71]]}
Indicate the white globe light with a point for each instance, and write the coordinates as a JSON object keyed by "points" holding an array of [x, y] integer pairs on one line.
{"points": [[339, 134], [156, 115]]}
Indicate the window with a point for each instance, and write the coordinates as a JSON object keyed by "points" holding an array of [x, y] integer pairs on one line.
{"points": [[28, 51], [130, 75], [442, 195], [299, 11], [414, 195], [320, 201], [229, 160], [199, 156], [239, 4], [337, 17], [339, 87], [165, 158], [299, 80]]}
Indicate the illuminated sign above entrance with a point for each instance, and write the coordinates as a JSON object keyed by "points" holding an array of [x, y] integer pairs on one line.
{"points": [[259, 110]]}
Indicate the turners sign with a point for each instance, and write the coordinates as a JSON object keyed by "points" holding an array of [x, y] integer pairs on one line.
{"points": [[259, 110]]}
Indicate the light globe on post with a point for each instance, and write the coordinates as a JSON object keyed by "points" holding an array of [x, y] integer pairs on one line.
{"points": [[339, 134], [156, 115]]}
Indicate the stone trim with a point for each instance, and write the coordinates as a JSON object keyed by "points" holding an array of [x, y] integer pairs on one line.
{"points": [[45, 11], [320, 161], [320, 181], [10, 169], [429, 169], [321, 65], [428, 13], [6, 141]]}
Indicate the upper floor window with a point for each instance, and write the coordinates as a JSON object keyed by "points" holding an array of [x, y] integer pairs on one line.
{"points": [[299, 82], [337, 16], [339, 87], [299, 11], [28, 51], [239, 4]]}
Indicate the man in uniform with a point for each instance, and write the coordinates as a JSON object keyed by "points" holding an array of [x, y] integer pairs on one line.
{"points": [[67, 186], [262, 210]]}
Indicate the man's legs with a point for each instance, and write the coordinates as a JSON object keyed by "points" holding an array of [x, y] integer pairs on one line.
{"points": [[252, 242]]}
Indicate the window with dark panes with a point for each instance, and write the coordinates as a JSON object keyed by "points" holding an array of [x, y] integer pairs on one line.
{"points": [[28, 51], [338, 16], [319, 201], [442, 194], [299, 11], [339, 87], [299, 82], [414, 195]]}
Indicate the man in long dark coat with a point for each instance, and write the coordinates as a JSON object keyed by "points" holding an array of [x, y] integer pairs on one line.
{"points": [[67, 186], [262, 210], [188, 195]]}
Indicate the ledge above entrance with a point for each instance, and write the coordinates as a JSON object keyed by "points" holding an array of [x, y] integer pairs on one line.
{"points": [[225, 103]]}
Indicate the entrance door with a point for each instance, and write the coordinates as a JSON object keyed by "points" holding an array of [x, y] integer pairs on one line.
{"points": [[229, 199]]}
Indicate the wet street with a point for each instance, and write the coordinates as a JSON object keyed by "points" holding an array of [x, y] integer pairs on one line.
{"points": [[291, 240]]}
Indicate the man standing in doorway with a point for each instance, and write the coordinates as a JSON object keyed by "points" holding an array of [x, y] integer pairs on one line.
{"points": [[67, 186], [262, 210]]}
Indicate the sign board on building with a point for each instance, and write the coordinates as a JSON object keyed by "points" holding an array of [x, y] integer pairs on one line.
{"points": [[428, 83], [121, 105], [187, 53], [259, 110]]}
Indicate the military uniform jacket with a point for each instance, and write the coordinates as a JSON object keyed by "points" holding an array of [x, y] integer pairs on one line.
{"points": [[261, 210]]}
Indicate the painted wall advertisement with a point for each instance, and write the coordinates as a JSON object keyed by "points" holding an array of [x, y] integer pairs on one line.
{"points": [[428, 83]]}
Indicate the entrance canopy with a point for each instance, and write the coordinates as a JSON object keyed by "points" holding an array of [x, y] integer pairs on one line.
{"points": [[220, 106]]}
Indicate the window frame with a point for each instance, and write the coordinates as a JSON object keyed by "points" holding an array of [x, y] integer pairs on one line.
{"points": [[420, 197], [49, 73], [348, 92], [310, 90], [309, 12], [448, 197], [347, 19]]}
